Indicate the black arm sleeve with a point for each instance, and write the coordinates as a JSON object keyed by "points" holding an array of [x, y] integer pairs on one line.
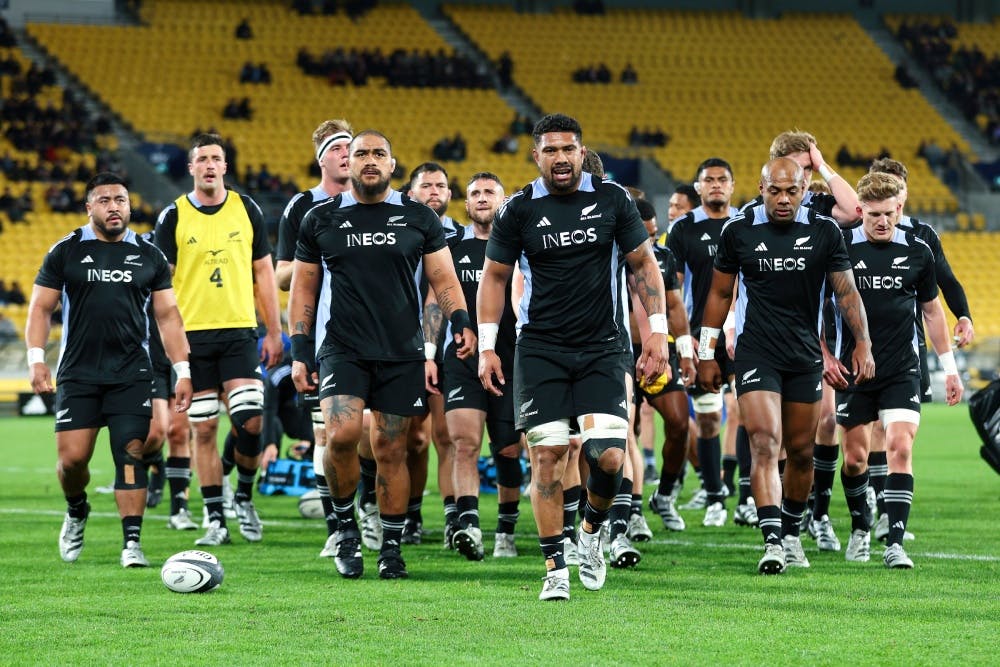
{"points": [[951, 289]]}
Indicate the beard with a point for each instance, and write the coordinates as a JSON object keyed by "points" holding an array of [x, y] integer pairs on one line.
{"points": [[373, 189], [570, 185], [482, 218], [102, 225]]}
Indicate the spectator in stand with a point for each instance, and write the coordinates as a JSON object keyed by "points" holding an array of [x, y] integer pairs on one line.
{"points": [[6, 199], [16, 295], [506, 145], [8, 332], [243, 30], [3, 292], [629, 75]]}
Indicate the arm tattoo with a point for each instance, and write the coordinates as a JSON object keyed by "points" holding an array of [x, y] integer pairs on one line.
{"points": [[433, 321], [304, 326], [852, 308], [649, 290], [446, 301]]}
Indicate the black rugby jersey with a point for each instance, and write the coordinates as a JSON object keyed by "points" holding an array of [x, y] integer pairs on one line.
{"points": [[157, 354], [105, 290], [288, 237], [892, 278], [668, 266], [694, 240], [783, 269], [567, 247], [469, 255], [372, 252], [291, 220]]}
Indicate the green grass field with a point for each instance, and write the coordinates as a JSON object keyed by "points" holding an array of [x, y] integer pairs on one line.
{"points": [[694, 599]]}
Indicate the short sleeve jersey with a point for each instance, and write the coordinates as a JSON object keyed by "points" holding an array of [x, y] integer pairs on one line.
{"points": [[213, 249], [372, 252], [105, 291], [567, 247], [694, 240], [783, 270], [892, 278], [668, 266], [469, 256], [291, 220]]}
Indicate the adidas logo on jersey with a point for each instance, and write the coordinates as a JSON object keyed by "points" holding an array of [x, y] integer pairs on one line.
{"points": [[544, 222], [465, 260], [706, 237], [87, 260], [899, 525], [147, 403], [860, 266], [192, 240], [346, 224], [623, 405], [419, 403], [761, 248], [915, 399]]}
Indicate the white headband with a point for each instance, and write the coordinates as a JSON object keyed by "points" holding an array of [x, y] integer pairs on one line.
{"points": [[328, 143]]}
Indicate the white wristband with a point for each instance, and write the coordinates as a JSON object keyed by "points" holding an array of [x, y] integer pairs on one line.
{"points": [[488, 336], [948, 364], [827, 173], [658, 323], [706, 347], [430, 351], [730, 322], [183, 370], [685, 346], [36, 355]]}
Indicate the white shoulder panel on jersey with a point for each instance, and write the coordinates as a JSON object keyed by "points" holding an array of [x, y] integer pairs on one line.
{"points": [[291, 203], [163, 213]]}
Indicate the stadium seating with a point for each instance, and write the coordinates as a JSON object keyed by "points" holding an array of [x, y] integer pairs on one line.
{"points": [[718, 85], [973, 256], [176, 74]]}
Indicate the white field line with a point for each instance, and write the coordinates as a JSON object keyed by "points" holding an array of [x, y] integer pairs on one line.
{"points": [[317, 525]]}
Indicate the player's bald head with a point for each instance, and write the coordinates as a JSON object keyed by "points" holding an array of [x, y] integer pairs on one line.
{"points": [[781, 169]]}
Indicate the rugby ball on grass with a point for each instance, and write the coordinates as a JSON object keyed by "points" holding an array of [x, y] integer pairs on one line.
{"points": [[310, 506], [192, 571]]}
